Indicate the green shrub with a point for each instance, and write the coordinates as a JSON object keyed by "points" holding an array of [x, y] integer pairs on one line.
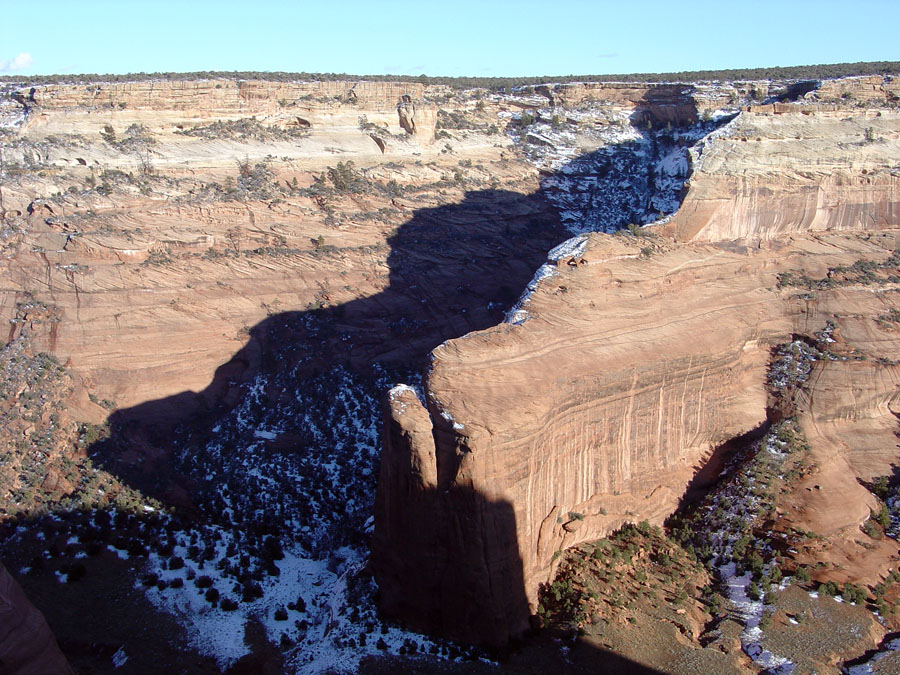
{"points": [[854, 593], [871, 529], [753, 591], [345, 178], [884, 517], [829, 588]]}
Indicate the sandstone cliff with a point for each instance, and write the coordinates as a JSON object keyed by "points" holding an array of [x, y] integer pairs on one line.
{"points": [[258, 258], [126, 206], [640, 355], [600, 408], [215, 96], [771, 174], [26, 644]]}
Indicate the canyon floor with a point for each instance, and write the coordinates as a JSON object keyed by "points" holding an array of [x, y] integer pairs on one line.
{"points": [[649, 336]]}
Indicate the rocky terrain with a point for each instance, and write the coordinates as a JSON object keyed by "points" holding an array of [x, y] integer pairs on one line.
{"points": [[215, 287]]}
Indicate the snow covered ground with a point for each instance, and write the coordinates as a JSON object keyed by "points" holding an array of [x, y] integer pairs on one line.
{"points": [[743, 563], [634, 175], [288, 490], [573, 247], [278, 544]]}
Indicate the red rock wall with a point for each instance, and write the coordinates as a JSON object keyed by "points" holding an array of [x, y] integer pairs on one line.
{"points": [[591, 414], [27, 646]]}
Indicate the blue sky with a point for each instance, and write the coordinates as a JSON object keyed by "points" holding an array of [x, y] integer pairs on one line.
{"points": [[449, 37]]}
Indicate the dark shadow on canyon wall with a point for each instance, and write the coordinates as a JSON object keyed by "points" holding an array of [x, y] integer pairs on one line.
{"points": [[447, 561], [667, 105], [537, 658], [453, 269], [724, 458], [26, 643], [868, 655]]}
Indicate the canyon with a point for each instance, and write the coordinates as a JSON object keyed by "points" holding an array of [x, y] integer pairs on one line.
{"points": [[236, 306], [651, 353]]}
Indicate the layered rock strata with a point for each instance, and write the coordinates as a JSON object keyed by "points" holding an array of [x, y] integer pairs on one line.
{"points": [[639, 356], [770, 174], [600, 408], [165, 219]]}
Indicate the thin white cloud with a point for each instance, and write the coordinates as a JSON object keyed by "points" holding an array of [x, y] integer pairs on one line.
{"points": [[21, 60]]}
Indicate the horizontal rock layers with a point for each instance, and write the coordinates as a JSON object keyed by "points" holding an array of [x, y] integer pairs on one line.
{"points": [[159, 273], [600, 408], [767, 175], [637, 359], [219, 95], [596, 411]]}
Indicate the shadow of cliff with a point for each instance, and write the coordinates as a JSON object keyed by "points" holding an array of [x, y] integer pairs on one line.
{"points": [[90, 597], [638, 180], [447, 561], [867, 656], [536, 658], [467, 581], [724, 459], [453, 269]]}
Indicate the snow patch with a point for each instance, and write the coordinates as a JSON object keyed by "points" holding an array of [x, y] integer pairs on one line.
{"points": [[120, 658], [570, 248]]}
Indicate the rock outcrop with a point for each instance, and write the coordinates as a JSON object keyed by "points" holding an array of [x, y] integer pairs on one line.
{"points": [[27, 646], [657, 103], [769, 174], [622, 375], [406, 112], [867, 89], [593, 412], [600, 408], [469, 574]]}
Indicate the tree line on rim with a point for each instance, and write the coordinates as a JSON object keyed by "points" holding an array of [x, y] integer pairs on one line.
{"points": [[498, 84]]}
